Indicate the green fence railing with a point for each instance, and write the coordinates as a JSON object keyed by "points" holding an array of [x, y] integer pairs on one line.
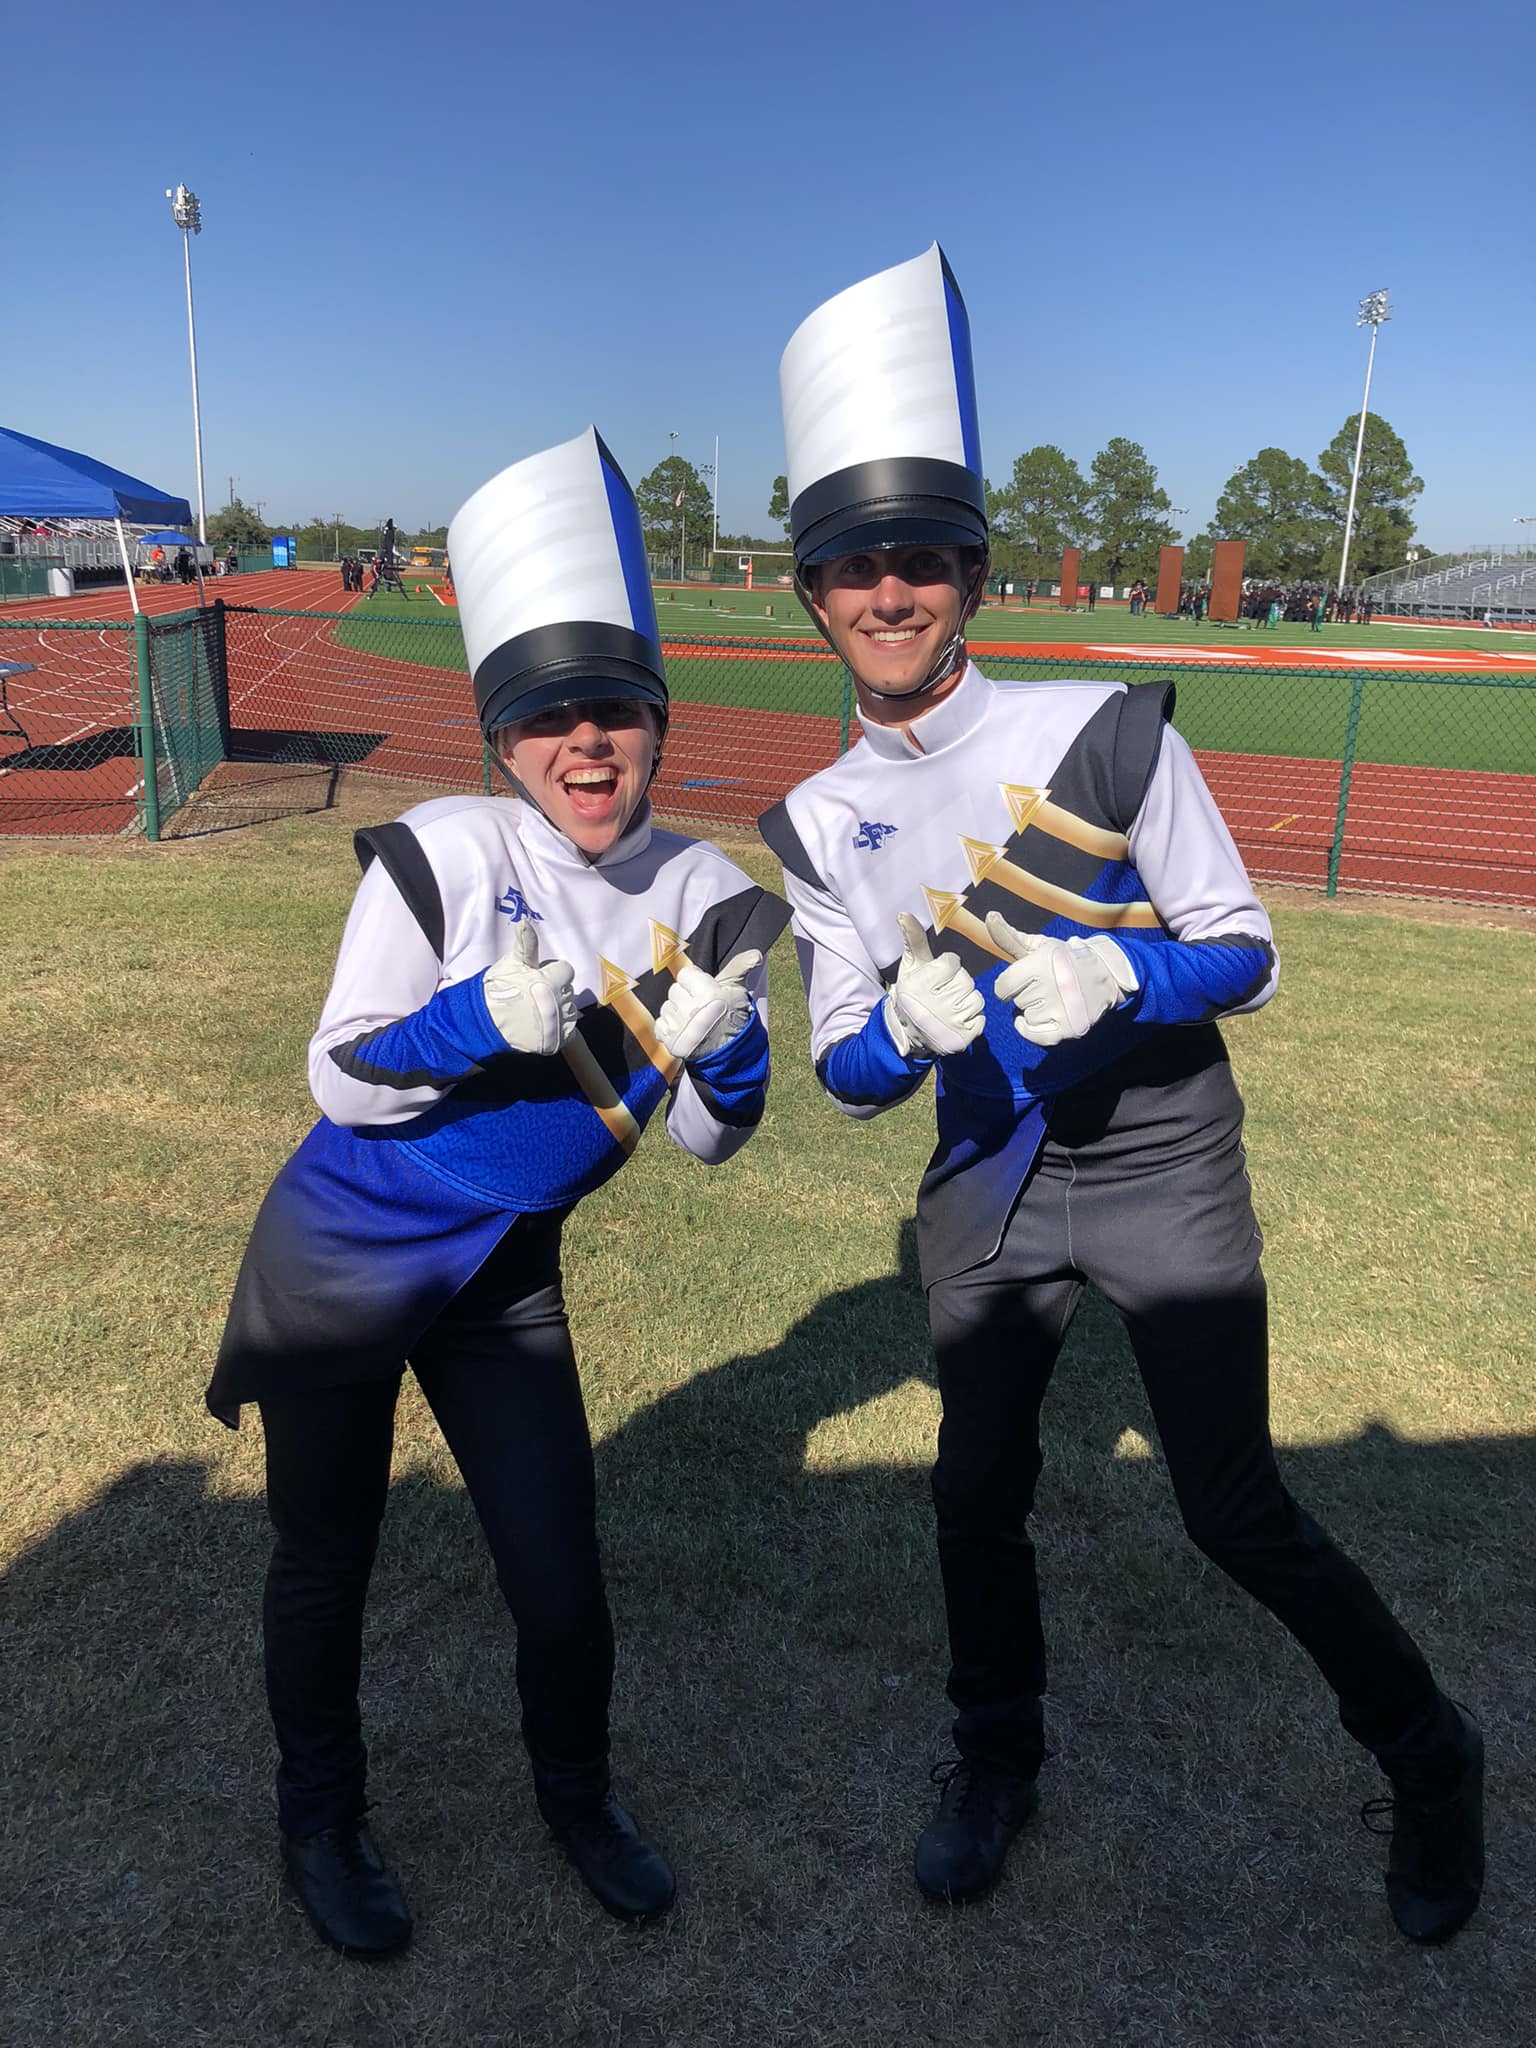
{"points": [[1333, 777]]}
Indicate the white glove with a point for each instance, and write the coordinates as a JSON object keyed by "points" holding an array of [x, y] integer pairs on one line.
{"points": [[531, 1006], [703, 1011], [935, 1007], [1060, 988]]}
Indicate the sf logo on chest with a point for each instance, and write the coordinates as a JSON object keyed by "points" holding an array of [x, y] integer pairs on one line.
{"points": [[516, 906], [869, 836]]}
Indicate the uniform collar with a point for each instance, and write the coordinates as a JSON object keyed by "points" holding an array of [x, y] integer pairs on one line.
{"points": [[546, 842], [957, 717]]}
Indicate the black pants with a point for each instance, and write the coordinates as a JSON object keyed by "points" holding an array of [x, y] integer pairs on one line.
{"points": [[1145, 1195], [500, 1375]]}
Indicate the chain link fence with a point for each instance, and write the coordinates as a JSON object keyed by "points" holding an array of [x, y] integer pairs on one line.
{"points": [[1335, 778]]}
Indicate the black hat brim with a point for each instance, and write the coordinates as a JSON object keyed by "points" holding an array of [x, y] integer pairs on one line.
{"points": [[901, 501], [583, 662], [915, 527]]}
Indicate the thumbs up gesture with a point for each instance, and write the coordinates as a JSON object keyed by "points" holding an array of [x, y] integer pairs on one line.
{"points": [[533, 1007], [1059, 988], [702, 1011], [935, 1008]]}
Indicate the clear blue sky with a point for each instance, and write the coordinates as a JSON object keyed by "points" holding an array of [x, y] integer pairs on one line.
{"points": [[437, 239]]}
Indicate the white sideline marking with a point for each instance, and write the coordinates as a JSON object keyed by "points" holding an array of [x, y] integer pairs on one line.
{"points": [[1145, 653]]}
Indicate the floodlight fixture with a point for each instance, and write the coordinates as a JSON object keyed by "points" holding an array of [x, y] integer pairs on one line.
{"points": [[186, 210], [1374, 309]]}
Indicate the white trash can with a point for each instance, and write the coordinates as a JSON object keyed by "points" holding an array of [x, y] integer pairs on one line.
{"points": [[61, 582]]}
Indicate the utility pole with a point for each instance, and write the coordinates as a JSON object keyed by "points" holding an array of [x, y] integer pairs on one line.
{"points": [[231, 494]]}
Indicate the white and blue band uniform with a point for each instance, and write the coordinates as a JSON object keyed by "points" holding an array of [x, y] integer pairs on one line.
{"points": [[1115, 1158], [420, 1219]]}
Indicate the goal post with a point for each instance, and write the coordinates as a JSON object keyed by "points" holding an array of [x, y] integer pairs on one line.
{"points": [[745, 558]]}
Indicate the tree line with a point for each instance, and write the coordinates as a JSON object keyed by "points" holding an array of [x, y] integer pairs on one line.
{"points": [[1291, 517], [319, 539]]}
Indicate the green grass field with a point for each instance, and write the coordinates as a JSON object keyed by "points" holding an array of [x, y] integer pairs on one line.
{"points": [[759, 1383], [1454, 721]]}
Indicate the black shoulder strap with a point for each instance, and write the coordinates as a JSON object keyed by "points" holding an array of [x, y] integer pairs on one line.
{"points": [[1144, 710], [777, 830], [409, 869], [752, 918]]}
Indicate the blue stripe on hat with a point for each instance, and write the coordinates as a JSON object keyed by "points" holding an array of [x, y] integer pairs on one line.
{"points": [[965, 374], [625, 515]]}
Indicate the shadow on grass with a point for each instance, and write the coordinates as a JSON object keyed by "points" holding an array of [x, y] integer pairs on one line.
{"points": [[237, 794], [1196, 1875]]}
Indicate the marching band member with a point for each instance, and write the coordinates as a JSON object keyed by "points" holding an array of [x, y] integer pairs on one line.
{"points": [[1026, 889], [522, 982]]}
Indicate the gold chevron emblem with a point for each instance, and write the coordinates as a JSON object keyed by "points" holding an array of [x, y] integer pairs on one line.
{"points": [[616, 990], [615, 982], [1022, 802], [668, 952], [947, 913], [990, 863], [980, 858], [1027, 806]]}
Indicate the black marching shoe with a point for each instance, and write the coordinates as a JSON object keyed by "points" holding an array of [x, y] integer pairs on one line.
{"points": [[350, 1896], [1435, 1862], [961, 1852], [627, 1874]]}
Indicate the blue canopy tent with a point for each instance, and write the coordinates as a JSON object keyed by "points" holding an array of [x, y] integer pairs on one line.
{"points": [[40, 481]]}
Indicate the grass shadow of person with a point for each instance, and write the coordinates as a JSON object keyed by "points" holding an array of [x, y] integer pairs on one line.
{"points": [[768, 1534]]}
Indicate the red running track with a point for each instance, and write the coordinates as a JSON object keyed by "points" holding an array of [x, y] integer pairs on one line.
{"points": [[295, 696]]}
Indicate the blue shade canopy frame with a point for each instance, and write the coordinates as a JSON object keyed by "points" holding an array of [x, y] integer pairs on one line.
{"points": [[41, 481]]}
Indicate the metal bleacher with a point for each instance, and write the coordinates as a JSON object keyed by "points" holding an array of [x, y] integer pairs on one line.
{"points": [[86, 544], [1496, 580]]}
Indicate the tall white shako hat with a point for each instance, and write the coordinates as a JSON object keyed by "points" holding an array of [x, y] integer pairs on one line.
{"points": [[554, 588], [880, 425]]}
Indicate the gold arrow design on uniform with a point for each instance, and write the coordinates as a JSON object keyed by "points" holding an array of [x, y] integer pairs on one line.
{"points": [[668, 951], [948, 913], [991, 864], [600, 1091], [618, 993], [1028, 806]]}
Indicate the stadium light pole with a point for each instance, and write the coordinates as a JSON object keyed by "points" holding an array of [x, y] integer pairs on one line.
{"points": [[188, 216], [1373, 311], [671, 451], [711, 470]]}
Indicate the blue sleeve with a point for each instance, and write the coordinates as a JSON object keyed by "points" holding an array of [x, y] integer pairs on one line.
{"points": [[867, 1071], [1189, 981], [733, 1080], [446, 1040]]}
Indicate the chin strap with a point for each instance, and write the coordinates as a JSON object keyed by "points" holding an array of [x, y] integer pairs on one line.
{"points": [[527, 797], [951, 655]]}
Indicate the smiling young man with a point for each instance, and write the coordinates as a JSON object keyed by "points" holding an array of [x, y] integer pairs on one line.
{"points": [[522, 982], [1096, 920]]}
